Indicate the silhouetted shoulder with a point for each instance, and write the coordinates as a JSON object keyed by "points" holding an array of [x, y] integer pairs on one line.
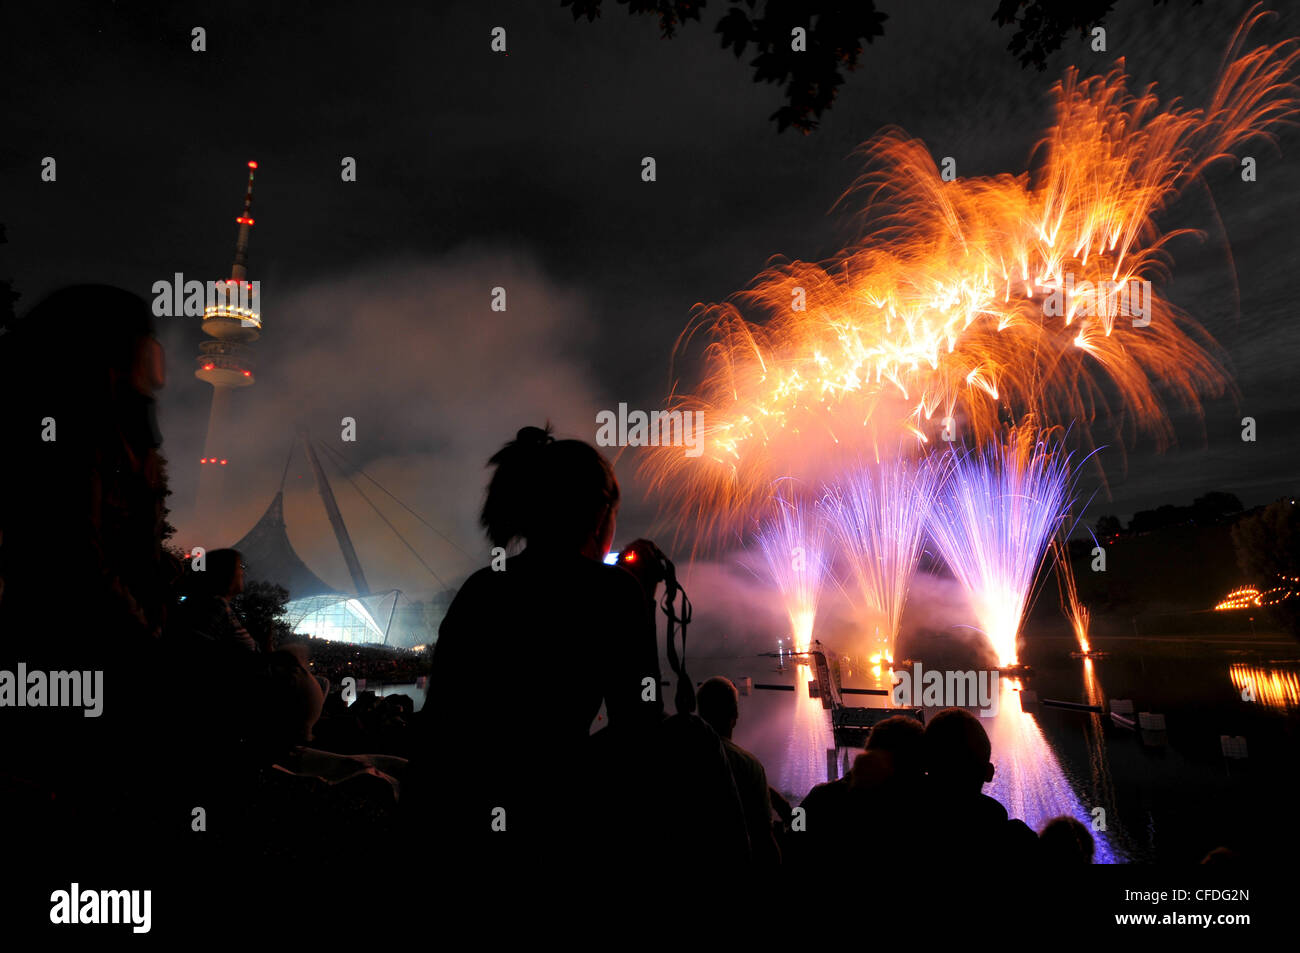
{"points": [[620, 583], [478, 583], [827, 794], [587, 576], [534, 585], [991, 809]]}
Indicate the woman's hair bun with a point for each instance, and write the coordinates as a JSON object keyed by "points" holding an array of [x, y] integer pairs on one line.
{"points": [[546, 490], [534, 437]]}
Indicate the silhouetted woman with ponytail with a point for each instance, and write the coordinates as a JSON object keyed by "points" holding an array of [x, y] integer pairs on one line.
{"points": [[530, 648]]}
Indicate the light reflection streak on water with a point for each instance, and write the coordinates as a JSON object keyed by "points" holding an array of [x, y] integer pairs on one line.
{"points": [[1028, 779], [809, 736], [1098, 762], [1272, 687]]}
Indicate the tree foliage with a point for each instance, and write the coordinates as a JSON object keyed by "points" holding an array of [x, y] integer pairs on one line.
{"points": [[836, 30], [261, 609], [835, 33], [1108, 526], [1268, 552]]}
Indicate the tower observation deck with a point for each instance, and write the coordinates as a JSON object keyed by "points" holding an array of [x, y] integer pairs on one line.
{"points": [[232, 320]]}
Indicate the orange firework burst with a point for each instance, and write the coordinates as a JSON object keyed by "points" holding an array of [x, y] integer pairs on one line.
{"points": [[965, 305]]}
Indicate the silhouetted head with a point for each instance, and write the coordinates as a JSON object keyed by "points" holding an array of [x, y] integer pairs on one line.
{"points": [[870, 770], [903, 739], [957, 752], [103, 334], [1065, 842], [555, 494], [296, 705], [223, 575], [719, 704]]}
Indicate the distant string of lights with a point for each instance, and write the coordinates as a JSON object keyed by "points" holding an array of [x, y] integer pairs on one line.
{"points": [[1251, 597]]}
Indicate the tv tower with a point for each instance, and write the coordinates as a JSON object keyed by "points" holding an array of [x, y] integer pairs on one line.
{"points": [[226, 362]]}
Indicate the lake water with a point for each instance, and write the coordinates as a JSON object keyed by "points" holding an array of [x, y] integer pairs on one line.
{"points": [[1167, 796]]}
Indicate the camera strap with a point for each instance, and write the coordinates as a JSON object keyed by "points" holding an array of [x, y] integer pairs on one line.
{"points": [[685, 694]]}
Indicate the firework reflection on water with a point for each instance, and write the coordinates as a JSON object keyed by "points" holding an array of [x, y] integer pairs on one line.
{"points": [[807, 738], [1028, 779]]}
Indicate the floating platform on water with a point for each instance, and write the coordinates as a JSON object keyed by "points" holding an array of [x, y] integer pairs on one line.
{"points": [[1151, 721], [1121, 713], [852, 725], [1070, 706]]}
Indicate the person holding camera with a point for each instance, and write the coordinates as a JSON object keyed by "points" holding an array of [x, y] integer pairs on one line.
{"points": [[530, 648]]}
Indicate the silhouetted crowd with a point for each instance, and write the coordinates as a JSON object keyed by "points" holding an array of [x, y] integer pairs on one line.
{"points": [[336, 660], [205, 726]]}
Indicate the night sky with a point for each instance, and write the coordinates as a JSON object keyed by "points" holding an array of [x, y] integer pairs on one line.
{"points": [[477, 169]]}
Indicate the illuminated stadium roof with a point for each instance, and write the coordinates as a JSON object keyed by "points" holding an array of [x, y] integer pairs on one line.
{"points": [[343, 618], [316, 608], [270, 557]]}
